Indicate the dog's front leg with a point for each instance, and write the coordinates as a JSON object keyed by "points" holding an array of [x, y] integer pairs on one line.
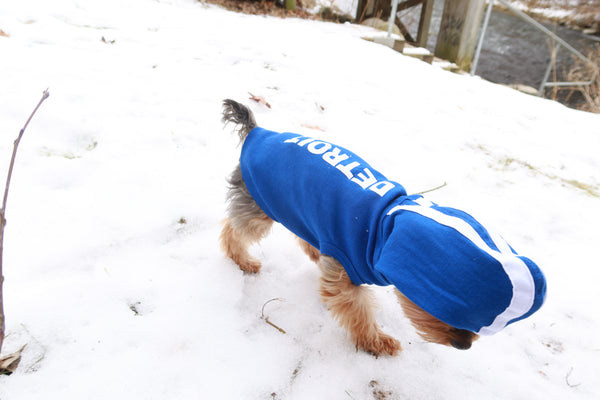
{"points": [[235, 241], [352, 306]]}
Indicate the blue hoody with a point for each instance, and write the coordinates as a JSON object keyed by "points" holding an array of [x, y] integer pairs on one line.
{"points": [[441, 258]]}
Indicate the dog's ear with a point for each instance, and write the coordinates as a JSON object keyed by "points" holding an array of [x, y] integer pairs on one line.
{"points": [[240, 115]]}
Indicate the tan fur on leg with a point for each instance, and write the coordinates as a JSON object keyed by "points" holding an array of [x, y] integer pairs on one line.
{"points": [[235, 241], [310, 251], [352, 306]]}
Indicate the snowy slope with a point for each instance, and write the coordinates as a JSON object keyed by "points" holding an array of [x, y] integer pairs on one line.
{"points": [[114, 278]]}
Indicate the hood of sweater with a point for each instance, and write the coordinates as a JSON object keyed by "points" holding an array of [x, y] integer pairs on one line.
{"points": [[448, 264]]}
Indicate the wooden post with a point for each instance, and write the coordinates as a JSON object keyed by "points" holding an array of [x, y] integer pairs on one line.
{"points": [[459, 31], [424, 23]]}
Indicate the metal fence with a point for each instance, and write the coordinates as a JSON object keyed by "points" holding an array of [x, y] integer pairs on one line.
{"points": [[558, 42]]}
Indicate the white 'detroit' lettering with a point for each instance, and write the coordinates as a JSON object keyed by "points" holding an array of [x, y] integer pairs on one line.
{"points": [[347, 169], [334, 157], [305, 141], [318, 147], [364, 179], [381, 188]]}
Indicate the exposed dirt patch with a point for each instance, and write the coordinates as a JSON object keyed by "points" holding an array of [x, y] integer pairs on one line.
{"points": [[262, 7]]}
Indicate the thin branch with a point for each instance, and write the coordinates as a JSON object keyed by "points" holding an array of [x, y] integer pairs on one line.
{"points": [[262, 312], [435, 188], [567, 379], [14, 154], [3, 211], [274, 326]]}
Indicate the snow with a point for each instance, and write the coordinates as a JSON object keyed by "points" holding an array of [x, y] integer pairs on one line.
{"points": [[548, 11], [346, 7], [416, 51], [114, 277]]}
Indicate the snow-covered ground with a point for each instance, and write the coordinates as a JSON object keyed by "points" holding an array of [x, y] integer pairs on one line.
{"points": [[114, 278]]}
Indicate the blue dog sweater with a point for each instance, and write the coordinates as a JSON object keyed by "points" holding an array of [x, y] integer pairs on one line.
{"points": [[441, 258]]}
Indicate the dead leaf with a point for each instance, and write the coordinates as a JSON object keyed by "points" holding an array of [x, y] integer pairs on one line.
{"points": [[2, 33], [107, 41], [313, 127], [9, 363], [259, 99]]}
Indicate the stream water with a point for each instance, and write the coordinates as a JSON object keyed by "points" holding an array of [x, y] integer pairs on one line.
{"points": [[513, 52]]}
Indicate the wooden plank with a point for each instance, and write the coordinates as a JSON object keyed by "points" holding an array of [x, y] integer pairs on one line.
{"points": [[395, 44]]}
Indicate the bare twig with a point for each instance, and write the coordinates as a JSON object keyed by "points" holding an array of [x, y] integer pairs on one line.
{"points": [[567, 379], [262, 312], [362, 15], [3, 211], [435, 188]]}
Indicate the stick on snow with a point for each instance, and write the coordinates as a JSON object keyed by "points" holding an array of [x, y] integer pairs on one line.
{"points": [[2, 225]]}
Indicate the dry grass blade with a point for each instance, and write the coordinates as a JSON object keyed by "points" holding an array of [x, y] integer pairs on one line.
{"points": [[582, 72], [435, 188]]}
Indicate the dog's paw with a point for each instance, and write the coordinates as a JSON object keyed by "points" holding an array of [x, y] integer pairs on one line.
{"points": [[251, 265], [381, 344]]}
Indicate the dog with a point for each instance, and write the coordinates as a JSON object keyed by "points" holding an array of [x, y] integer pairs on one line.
{"points": [[454, 279]]}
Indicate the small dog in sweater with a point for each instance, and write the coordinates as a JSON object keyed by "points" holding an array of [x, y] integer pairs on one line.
{"points": [[454, 279]]}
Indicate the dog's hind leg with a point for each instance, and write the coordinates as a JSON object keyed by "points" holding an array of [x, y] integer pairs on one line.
{"points": [[352, 306], [245, 224], [310, 251]]}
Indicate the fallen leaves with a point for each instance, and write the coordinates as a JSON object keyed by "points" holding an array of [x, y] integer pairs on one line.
{"points": [[107, 41], [9, 363], [313, 127], [260, 100]]}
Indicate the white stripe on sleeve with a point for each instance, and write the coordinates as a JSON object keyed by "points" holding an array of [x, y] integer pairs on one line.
{"points": [[517, 271]]}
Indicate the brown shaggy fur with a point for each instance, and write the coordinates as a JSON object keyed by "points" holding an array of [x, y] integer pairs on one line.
{"points": [[432, 329], [352, 306], [235, 242]]}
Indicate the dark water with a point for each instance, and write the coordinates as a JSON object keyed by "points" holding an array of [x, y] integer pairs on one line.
{"points": [[513, 52]]}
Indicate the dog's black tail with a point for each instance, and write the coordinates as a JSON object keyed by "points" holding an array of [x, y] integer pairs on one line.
{"points": [[240, 115]]}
